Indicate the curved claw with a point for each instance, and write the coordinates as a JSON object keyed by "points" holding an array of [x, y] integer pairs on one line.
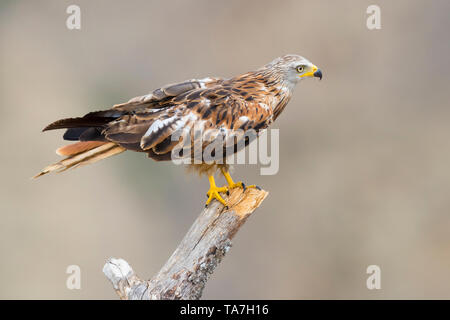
{"points": [[239, 184], [242, 185]]}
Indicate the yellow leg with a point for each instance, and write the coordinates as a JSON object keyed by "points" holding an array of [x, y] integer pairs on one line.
{"points": [[213, 192], [232, 184]]}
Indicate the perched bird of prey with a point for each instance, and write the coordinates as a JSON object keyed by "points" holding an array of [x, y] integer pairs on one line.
{"points": [[251, 101]]}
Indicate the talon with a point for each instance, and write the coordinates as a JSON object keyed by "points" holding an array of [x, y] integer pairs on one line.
{"points": [[232, 184], [214, 192], [257, 187]]}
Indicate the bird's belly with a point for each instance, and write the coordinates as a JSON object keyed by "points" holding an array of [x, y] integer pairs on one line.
{"points": [[206, 169]]}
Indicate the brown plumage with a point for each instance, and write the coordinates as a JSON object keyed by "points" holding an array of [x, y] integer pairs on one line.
{"points": [[146, 123]]}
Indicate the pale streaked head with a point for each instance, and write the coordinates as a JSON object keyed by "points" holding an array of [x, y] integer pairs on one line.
{"points": [[292, 68]]}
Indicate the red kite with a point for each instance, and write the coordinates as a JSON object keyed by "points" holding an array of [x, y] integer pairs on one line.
{"points": [[251, 101]]}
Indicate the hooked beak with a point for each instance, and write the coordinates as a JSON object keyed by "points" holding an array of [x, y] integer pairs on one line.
{"points": [[318, 74], [314, 72]]}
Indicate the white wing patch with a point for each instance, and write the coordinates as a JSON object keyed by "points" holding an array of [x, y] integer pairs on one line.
{"points": [[158, 125], [204, 81]]}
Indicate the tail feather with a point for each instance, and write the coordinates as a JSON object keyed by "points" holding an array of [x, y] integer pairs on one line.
{"points": [[82, 153], [78, 147]]}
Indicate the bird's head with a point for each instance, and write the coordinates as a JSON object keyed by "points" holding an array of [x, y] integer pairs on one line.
{"points": [[291, 68]]}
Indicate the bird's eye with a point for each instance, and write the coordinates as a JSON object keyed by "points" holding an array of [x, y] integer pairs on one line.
{"points": [[300, 69]]}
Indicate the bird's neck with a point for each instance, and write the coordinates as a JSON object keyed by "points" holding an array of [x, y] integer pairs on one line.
{"points": [[265, 82], [279, 88], [267, 87]]}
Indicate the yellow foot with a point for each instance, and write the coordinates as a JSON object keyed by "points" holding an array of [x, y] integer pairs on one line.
{"points": [[239, 184], [214, 192], [242, 185]]}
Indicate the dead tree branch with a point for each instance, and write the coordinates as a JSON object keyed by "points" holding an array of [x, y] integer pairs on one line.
{"points": [[185, 273]]}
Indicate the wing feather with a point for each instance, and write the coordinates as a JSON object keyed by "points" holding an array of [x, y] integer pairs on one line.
{"points": [[215, 104]]}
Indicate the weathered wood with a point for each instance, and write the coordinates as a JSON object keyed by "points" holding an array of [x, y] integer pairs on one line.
{"points": [[185, 273]]}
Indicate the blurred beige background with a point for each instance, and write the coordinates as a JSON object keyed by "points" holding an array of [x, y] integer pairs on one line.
{"points": [[365, 153]]}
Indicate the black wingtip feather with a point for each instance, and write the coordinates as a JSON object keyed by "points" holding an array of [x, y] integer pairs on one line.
{"points": [[65, 123], [78, 123], [73, 134]]}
